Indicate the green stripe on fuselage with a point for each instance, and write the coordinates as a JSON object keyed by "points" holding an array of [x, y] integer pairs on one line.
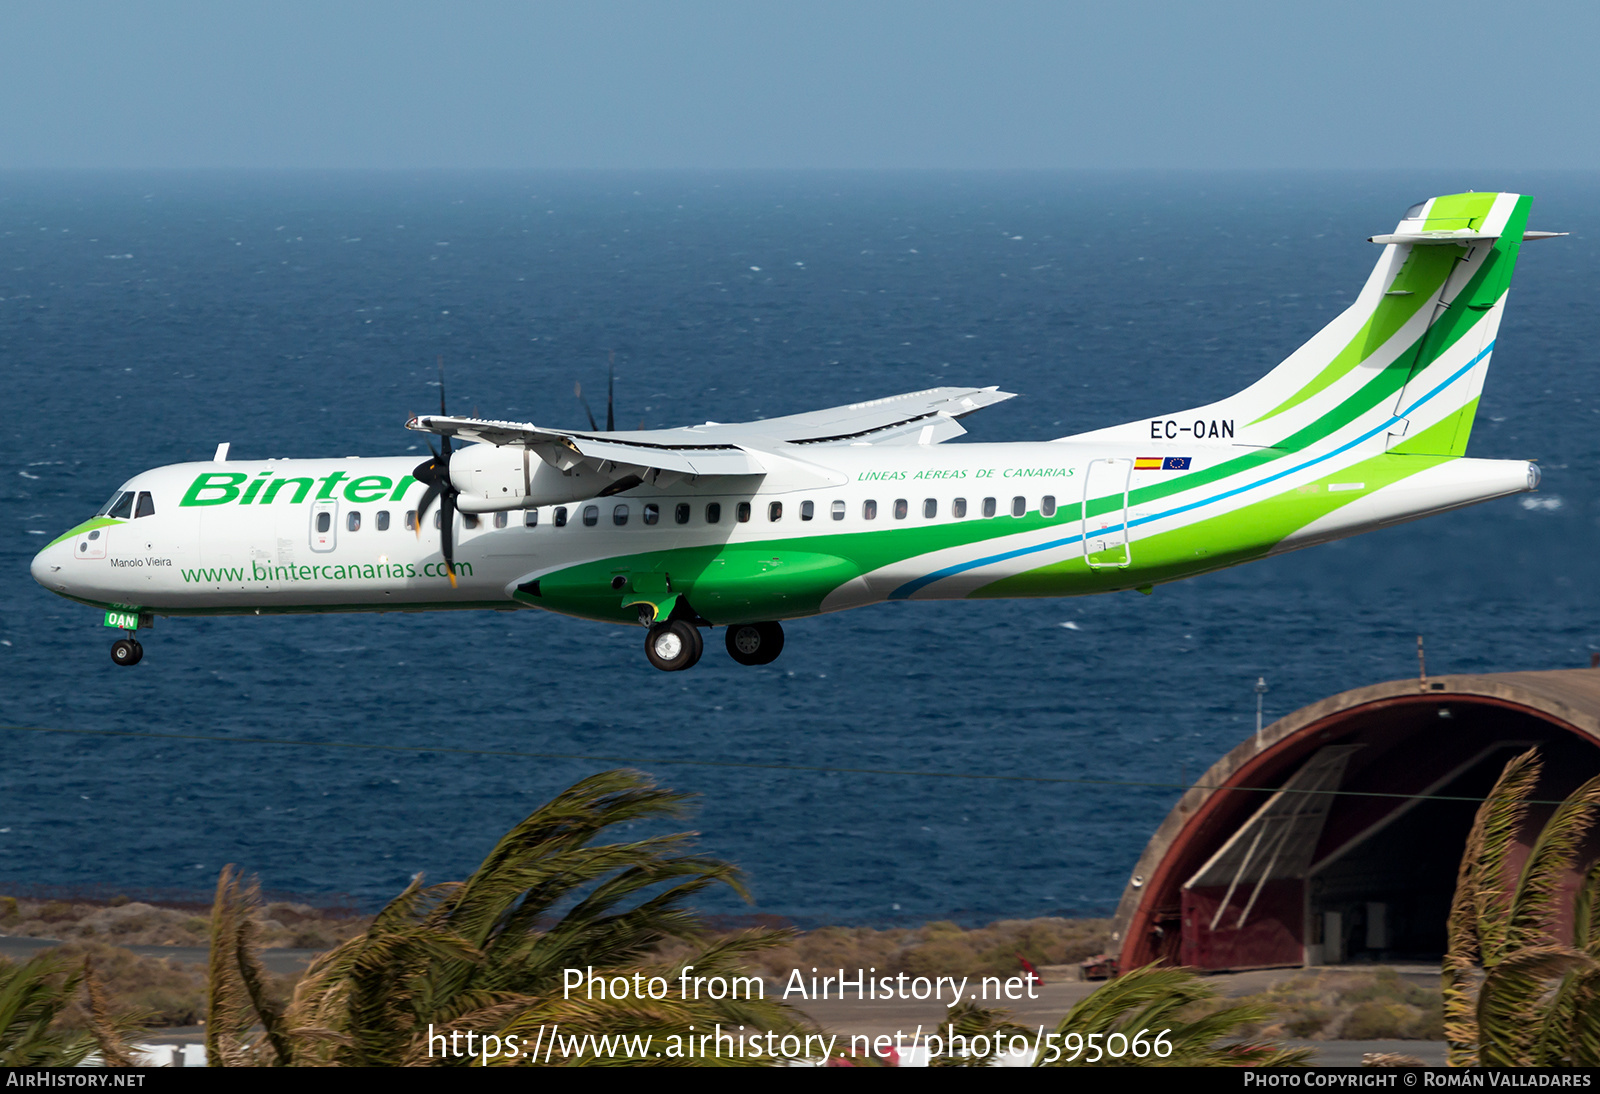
{"points": [[87, 526], [1216, 542]]}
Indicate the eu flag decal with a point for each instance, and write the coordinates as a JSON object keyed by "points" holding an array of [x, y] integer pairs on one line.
{"points": [[1175, 463], [1162, 463]]}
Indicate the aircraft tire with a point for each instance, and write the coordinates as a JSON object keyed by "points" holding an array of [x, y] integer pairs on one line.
{"points": [[673, 646], [754, 643], [125, 651]]}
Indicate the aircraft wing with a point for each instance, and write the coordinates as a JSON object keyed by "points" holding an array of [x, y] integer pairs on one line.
{"points": [[734, 448]]}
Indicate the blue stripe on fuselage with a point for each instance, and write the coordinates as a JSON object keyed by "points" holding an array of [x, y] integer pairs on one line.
{"points": [[911, 587]]}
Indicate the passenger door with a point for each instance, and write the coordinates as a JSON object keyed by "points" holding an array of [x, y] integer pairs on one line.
{"points": [[324, 525], [1105, 532]]}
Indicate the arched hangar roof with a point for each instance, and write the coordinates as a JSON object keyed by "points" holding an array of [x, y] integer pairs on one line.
{"points": [[1389, 742]]}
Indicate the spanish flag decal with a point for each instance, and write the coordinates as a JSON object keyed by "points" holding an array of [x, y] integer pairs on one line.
{"points": [[1161, 463]]}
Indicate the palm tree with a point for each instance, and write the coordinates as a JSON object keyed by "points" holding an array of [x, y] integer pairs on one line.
{"points": [[1513, 995], [32, 997], [488, 955], [1163, 1010]]}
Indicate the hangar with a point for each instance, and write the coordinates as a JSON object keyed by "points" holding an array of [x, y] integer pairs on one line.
{"points": [[1336, 835]]}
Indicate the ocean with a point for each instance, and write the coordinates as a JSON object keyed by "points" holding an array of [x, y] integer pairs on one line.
{"points": [[144, 318]]}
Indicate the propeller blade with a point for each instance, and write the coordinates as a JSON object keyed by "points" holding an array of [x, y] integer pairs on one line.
{"points": [[447, 520], [611, 391], [577, 389], [445, 439], [422, 507]]}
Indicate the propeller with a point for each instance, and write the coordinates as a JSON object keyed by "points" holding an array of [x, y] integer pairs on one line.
{"points": [[435, 475], [577, 389], [611, 392], [611, 399]]}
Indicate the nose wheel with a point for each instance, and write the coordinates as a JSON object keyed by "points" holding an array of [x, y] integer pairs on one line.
{"points": [[126, 651], [673, 646], [755, 643]]}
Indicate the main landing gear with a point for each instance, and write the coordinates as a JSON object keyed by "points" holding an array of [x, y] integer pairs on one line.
{"points": [[676, 645], [755, 643], [127, 651]]}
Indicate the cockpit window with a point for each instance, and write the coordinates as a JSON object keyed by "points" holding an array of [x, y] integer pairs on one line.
{"points": [[123, 506], [146, 506]]}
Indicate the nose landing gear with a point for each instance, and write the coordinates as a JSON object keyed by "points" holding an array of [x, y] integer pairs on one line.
{"points": [[673, 646], [127, 651]]}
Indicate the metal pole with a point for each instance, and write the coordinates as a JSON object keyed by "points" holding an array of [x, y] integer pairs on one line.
{"points": [[1261, 689]]}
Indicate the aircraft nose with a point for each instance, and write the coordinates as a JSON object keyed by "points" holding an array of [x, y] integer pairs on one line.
{"points": [[47, 566]]}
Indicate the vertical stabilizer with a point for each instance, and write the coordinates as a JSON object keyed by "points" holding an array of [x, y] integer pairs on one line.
{"points": [[1401, 368]]}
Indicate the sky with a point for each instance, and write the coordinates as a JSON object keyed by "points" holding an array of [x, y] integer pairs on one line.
{"points": [[866, 84]]}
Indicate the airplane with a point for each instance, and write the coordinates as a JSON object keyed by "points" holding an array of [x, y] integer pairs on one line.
{"points": [[745, 525]]}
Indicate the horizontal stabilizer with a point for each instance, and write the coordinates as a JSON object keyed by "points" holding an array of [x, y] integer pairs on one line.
{"points": [[1460, 236]]}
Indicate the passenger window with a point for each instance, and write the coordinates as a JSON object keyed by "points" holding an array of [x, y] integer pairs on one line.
{"points": [[411, 520], [930, 509], [1047, 505], [652, 513], [988, 507], [1019, 507], [469, 520], [146, 507], [869, 509], [713, 512], [901, 508], [324, 521], [591, 515], [383, 520], [501, 519], [438, 519], [775, 511], [838, 510], [124, 506], [561, 516], [352, 521], [619, 515], [530, 518], [743, 512], [958, 508], [680, 514], [807, 510]]}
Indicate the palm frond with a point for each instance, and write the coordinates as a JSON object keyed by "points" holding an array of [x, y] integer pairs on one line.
{"points": [[488, 954], [32, 997], [1500, 818], [1533, 903], [1512, 1003], [110, 1031], [1476, 924], [229, 1014], [1156, 998]]}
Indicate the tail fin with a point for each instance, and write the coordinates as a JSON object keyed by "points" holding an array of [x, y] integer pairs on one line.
{"points": [[1401, 368]]}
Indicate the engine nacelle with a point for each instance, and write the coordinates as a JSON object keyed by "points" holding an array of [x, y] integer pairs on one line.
{"points": [[490, 478]]}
